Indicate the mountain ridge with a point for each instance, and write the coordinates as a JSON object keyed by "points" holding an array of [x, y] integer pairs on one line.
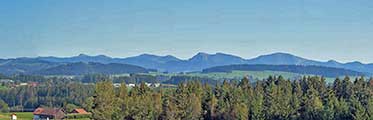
{"points": [[201, 61]]}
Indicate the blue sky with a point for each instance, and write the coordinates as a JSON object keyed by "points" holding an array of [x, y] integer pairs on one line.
{"points": [[317, 29]]}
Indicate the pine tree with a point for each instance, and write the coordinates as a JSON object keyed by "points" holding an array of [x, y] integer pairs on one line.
{"points": [[285, 98], [104, 101], [157, 104], [209, 103], [342, 110], [296, 99], [224, 96], [337, 87], [313, 105], [239, 112], [329, 109], [358, 111], [194, 109], [346, 88], [247, 91], [257, 109], [169, 109], [122, 102], [141, 104], [369, 108]]}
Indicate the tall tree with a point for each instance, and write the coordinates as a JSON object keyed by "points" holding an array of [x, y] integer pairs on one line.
{"points": [[104, 102], [257, 105], [313, 105], [357, 109]]}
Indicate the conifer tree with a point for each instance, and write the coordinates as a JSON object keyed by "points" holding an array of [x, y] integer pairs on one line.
{"points": [[329, 109], [257, 105], [104, 101], [313, 105], [358, 111]]}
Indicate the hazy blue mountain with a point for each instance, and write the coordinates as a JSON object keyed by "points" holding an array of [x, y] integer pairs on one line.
{"points": [[24, 65], [2, 60], [79, 58], [301, 69], [288, 59], [172, 64], [148, 60], [204, 60], [280, 59], [82, 68]]}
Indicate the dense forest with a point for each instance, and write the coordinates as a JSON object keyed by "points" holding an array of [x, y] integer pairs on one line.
{"points": [[273, 98]]}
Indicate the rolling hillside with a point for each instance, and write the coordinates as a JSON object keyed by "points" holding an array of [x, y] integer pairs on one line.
{"points": [[312, 70], [91, 68], [170, 63]]}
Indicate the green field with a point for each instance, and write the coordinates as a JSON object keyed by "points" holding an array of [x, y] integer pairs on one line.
{"points": [[259, 75], [240, 74], [20, 116], [24, 116], [236, 74], [2, 87]]}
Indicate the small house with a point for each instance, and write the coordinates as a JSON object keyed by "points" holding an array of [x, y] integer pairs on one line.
{"points": [[48, 113], [79, 111]]}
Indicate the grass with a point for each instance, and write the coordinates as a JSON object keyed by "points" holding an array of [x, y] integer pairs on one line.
{"points": [[3, 87], [240, 74], [26, 116], [236, 74], [20, 116], [260, 75]]}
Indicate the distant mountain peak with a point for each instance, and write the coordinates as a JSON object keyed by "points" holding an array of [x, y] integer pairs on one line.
{"points": [[199, 56], [102, 56], [332, 61], [83, 55], [202, 54], [156, 56], [220, 53], [281, 54], [146, 54]]}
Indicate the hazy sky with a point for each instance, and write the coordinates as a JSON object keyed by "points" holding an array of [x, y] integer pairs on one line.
{"points": [[317, 29]]}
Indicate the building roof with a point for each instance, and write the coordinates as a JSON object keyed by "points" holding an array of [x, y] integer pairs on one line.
{"points": [[48, 111], [80, 111]]}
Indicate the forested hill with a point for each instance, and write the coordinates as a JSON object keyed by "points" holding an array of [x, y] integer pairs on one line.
{"points": [[314, 70], [82, 68], [170, 63]]}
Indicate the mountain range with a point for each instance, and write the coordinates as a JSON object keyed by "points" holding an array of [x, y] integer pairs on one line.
{"points": [[173, 64]]}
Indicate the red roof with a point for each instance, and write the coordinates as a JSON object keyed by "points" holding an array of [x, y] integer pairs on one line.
{"points": [[80, 111], [38, 111], [47, 111]]}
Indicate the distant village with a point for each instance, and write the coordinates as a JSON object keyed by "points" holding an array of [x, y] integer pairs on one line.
{"points": [[12, 84], [45, 113], [56, 114]]}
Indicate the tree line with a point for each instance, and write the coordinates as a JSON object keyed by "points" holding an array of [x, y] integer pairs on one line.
{"points": [[53, 92], [309, 98]]}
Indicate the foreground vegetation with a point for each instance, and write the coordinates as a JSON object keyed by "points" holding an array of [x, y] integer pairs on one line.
{"points": [[271, 98], [274, 98]]}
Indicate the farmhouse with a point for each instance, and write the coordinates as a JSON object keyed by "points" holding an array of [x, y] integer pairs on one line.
{"points": [[48, 113], [79, 111]]}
